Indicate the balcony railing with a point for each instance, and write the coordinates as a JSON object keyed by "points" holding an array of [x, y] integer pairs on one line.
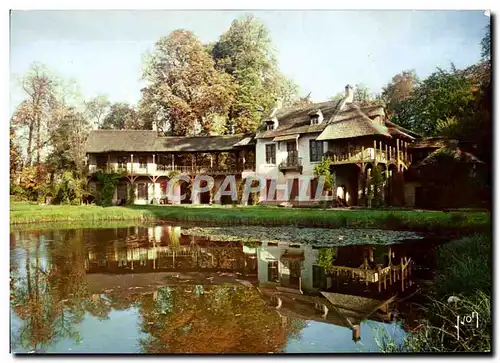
{"points": [[159, 169], [291, 162], [365, 155]]}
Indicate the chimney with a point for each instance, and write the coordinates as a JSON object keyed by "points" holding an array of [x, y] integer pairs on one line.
{"points": [[349, 94]]}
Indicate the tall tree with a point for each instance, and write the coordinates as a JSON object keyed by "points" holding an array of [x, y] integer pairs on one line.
{"points": [[96, 110], [441, 96], [15, 155], [396, 92], [303, 101], [362, 93], [246, 53], [68, 141], [486, 44], [121, 116], [33, 115], [184, 85]]}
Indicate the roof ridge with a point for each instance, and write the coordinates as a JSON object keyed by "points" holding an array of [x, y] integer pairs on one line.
{"points": [[304, 107], [113, 130], [234, 135], [338, 107]]}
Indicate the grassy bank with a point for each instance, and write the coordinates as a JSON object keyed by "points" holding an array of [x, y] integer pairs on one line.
{"points": [[258, 215], [94, 224], [29, 213], [463, 286]]}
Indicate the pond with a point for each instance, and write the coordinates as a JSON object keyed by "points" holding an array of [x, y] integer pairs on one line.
{"points": [[176, 289]]}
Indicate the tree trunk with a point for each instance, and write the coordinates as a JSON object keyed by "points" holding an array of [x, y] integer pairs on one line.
{"points": [[38, 140], [29, 157]]}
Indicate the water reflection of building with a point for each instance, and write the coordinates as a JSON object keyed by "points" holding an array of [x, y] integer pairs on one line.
{"points": [[164, 248], [297, 266], [363, 282], [286, 264]]}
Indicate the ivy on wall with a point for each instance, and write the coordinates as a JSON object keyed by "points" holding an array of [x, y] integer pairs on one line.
{"points": [[131, 194], [323, 169], [375, 186], [109, 182], [326, 258]]}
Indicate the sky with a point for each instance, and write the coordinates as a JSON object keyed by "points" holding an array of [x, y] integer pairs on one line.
{"points": [[321, 51]]}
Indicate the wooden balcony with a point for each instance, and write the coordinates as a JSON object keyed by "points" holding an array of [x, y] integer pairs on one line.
{"points": [[366, 155], [167, 170], [291, 163]]}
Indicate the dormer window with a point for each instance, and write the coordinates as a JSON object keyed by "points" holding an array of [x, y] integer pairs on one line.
{"points": [[316, 116], [271, 124]]}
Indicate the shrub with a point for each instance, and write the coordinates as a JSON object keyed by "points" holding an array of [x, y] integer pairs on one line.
{"points": [[69, 189], [326, 258], [109, 183], [463, 286]]}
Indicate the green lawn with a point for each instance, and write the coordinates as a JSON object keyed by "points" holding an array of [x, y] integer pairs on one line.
{"points": [[258, 215]]}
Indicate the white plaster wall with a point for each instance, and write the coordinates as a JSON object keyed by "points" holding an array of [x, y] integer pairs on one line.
{"points": [[272, 170], [262, 168], [264, 254], [310, 258], [267, 253]]}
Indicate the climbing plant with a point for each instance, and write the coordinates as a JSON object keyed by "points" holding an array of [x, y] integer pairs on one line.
{"points": [[109, 181], [326, 258], [131, 194], [323, 169], [375, 187]]}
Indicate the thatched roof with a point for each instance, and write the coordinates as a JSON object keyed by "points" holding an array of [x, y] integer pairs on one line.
{"points": [[398, 133], [296, 120], [339, 121], [120, 140], [402, 129], [433, 143], [359, 125], [147, 141]]}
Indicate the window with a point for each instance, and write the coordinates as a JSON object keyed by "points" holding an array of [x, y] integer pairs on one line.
{"points": [[122, 162], [272, 271], [269, 126], [143, 162], [319, 277], [315, 150], [142, 191], [121, 192], [314, 120], [271, 153]]}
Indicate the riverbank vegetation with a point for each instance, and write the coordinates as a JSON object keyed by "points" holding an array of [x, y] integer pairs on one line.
{"points": [[463, 287], [428, 221]]}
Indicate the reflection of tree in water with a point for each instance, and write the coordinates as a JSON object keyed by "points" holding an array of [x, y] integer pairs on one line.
{"points": [[35, 300], [49, 293], [212, 319], [52, 299]]}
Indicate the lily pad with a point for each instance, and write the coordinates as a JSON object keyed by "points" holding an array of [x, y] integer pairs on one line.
{"points": [[314, 236]]}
